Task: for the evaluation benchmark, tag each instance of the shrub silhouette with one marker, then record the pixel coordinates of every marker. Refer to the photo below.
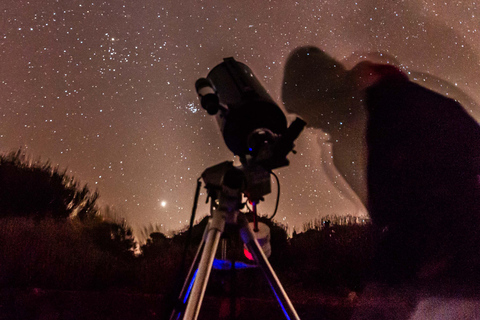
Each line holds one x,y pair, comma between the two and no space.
113,237
53,234
32,189
333,257
55,254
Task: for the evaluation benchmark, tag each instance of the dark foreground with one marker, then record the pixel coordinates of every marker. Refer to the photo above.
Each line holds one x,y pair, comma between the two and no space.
376,302
52,305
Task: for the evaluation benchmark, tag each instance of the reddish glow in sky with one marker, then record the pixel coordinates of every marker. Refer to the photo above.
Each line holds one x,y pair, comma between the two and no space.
106,88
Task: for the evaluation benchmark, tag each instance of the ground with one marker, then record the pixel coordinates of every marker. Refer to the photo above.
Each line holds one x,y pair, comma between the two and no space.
376,302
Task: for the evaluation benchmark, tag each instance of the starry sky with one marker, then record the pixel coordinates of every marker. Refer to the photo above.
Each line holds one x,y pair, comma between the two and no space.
106,90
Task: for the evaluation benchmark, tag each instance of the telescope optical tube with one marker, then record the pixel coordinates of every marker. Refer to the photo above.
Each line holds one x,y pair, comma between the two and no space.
249,106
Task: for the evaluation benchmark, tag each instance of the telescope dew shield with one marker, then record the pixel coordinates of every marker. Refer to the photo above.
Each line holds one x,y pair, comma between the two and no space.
249,106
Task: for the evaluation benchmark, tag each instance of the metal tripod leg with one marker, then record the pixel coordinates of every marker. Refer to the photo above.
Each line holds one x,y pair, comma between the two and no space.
251,242
187,285
215,229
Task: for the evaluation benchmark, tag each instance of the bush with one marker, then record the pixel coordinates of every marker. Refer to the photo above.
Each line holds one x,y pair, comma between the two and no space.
335,257
32,189
55,254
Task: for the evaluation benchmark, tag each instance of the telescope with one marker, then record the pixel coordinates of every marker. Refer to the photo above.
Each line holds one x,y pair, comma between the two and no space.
252,125
255,129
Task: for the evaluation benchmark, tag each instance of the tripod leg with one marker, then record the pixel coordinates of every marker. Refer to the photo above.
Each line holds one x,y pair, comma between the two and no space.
251,242
214,232
187,285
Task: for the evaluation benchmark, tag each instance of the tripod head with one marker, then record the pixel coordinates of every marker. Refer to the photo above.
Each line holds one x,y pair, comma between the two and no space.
226,183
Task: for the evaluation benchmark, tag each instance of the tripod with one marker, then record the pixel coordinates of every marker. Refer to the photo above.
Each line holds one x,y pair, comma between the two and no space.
225,187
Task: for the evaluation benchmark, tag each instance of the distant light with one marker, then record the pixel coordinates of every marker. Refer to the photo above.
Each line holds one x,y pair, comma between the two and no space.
163,203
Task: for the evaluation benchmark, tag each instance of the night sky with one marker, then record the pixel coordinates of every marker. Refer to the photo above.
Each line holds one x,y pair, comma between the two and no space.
106,88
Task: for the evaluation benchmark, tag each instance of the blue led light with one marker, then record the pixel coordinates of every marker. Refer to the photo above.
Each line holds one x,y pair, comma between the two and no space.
227,265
